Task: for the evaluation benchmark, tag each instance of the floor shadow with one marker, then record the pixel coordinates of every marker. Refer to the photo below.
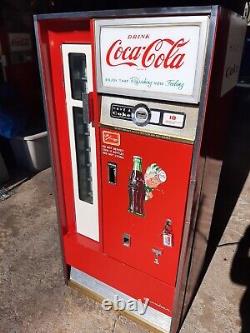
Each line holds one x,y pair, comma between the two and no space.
240,274
234,172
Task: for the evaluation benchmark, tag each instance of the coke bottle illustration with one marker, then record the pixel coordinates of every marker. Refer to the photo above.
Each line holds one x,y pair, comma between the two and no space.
136,188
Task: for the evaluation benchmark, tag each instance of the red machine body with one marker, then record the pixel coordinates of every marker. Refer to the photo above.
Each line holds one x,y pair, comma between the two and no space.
102,128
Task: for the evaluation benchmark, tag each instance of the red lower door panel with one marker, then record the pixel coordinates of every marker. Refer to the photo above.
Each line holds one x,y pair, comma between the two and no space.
114,273
136,240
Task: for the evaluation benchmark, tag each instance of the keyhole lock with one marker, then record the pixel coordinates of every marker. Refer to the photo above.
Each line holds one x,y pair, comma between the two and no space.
167,234
157,253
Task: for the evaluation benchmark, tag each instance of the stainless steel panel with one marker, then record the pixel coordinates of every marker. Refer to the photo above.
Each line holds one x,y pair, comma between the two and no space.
152,317
187,133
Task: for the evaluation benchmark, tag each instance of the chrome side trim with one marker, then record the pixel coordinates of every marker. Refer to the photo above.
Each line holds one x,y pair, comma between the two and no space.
103,291
133,12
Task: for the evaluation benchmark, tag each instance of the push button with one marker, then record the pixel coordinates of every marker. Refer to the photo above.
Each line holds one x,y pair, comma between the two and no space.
155,117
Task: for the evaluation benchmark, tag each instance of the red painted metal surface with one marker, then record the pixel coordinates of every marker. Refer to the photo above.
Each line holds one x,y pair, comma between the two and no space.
168,202
52,36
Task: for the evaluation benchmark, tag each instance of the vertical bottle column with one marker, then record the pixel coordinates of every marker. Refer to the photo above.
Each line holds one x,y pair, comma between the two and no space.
78,83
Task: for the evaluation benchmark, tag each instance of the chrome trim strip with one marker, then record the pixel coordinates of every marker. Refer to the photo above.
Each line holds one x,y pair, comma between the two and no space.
133,12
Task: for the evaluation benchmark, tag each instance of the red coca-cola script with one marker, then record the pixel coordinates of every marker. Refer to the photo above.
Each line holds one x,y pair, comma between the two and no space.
164,53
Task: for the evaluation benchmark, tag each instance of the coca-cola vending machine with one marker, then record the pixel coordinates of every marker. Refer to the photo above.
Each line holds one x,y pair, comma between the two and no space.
137,104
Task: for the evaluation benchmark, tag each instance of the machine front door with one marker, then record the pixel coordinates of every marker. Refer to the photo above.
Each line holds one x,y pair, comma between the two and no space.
144,208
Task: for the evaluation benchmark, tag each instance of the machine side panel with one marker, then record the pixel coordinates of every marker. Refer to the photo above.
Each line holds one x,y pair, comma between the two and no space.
49,107
197,171
216,125
41,34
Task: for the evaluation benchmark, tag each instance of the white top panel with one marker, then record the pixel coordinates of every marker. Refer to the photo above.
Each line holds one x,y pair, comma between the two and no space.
161,58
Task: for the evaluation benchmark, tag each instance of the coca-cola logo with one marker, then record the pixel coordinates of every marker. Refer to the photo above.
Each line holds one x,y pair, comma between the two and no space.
20,41
111,138
159,53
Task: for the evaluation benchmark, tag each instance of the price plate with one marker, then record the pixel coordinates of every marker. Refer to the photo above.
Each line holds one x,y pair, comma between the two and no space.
172,119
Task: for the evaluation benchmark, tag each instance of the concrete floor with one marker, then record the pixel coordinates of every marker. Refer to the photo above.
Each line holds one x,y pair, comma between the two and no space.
34,298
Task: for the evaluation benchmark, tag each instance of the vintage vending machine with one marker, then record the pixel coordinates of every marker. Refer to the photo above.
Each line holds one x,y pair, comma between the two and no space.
137,103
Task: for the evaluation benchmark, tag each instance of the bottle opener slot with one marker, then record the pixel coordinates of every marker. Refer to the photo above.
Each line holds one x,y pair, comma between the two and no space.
126,240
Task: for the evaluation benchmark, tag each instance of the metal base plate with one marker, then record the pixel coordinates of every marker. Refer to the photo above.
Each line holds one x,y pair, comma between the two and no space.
98,290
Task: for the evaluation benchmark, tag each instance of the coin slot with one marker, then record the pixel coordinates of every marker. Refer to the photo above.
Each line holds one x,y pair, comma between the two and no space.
126,240
112,173
141,115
